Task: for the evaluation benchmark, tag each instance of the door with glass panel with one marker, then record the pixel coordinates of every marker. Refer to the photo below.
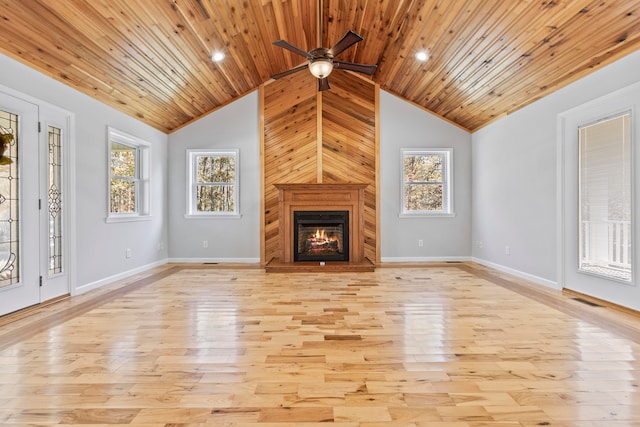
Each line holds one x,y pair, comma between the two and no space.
19,205
34,262
604,197
598,204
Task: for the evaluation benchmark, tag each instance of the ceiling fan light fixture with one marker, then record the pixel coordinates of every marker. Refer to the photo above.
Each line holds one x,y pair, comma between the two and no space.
321,67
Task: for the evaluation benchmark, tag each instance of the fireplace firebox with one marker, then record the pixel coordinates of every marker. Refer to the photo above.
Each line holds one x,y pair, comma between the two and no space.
321,235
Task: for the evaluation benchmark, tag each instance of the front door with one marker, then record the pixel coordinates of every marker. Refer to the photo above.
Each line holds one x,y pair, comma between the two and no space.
599,204
19,205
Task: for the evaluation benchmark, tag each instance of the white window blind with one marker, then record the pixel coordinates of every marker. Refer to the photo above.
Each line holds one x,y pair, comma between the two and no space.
605,198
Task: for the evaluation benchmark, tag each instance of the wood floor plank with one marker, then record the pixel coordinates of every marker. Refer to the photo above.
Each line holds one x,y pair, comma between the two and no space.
444,345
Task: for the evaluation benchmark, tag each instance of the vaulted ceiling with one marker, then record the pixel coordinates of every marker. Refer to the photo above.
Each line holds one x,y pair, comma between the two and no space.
151,59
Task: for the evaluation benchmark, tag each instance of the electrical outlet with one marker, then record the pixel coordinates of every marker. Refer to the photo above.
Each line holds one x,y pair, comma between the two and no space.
205,243
127,253
507,250
479,244
420,243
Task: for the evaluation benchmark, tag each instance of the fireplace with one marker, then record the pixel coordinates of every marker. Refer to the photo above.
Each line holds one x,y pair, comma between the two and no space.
335,203
321,235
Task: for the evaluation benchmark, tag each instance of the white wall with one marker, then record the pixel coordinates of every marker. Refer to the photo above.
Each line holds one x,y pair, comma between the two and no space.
100,247
237,126
233,126
403,125
515,177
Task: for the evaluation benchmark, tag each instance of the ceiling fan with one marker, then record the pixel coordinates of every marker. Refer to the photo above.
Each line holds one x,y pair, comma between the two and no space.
320,60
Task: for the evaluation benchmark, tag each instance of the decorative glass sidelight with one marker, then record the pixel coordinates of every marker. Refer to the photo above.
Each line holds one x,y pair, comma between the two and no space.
9,203
55,200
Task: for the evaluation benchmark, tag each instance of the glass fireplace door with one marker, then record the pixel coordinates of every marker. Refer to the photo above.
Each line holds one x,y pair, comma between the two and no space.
321,236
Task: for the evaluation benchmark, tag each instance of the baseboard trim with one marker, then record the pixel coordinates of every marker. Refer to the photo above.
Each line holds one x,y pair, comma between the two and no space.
426,259
215,260
517,273
108,280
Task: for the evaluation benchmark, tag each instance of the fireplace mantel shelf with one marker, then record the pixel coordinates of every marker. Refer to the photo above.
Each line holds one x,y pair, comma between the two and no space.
321,187
321,197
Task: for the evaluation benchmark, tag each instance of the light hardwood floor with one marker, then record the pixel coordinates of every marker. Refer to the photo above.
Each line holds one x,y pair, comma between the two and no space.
448,345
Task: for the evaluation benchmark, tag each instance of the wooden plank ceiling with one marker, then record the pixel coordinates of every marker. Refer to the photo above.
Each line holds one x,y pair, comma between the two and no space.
151,58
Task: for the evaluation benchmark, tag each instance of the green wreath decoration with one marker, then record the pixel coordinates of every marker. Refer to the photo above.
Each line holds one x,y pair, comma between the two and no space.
6,138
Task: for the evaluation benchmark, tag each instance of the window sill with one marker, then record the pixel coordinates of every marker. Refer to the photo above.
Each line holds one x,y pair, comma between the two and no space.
427,215
212,216
127,218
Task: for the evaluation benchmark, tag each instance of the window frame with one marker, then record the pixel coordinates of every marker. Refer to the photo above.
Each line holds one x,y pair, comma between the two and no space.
447,182
191,157
141,177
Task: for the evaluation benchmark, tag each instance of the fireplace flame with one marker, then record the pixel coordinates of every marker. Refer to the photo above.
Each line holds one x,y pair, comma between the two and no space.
321,240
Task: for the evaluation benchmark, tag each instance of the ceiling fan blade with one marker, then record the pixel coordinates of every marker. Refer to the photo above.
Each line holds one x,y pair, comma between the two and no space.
295,49
323,84
291,71
350,38
360,68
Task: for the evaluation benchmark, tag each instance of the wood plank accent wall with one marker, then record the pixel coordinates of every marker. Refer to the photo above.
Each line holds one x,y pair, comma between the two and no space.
289,147
311,137
349,143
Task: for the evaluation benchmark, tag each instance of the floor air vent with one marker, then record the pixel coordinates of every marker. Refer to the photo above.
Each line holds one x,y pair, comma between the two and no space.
584,301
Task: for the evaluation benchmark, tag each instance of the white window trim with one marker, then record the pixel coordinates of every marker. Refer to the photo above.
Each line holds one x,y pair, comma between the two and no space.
143,201
447,180
191,213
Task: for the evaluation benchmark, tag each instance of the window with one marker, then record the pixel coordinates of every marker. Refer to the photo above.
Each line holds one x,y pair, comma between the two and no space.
605,198
213,183
55,197
426,182
128,177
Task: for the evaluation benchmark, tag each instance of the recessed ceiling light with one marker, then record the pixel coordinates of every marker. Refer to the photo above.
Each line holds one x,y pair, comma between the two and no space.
422,56
217,56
